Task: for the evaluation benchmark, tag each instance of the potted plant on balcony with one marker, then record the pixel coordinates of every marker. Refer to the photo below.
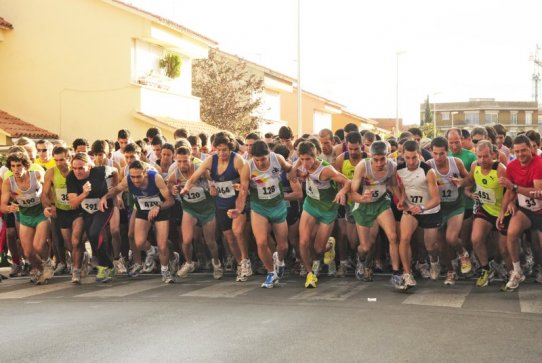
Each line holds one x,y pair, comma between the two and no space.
171,64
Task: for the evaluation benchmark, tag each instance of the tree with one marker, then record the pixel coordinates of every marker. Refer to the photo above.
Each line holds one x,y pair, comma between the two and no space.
427,116
230,95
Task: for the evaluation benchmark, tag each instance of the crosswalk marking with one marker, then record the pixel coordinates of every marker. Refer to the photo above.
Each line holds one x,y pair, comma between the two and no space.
221,290
331,293
453,297
33,290
530,301
114,290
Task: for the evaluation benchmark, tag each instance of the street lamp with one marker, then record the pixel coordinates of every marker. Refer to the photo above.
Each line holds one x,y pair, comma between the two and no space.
397,54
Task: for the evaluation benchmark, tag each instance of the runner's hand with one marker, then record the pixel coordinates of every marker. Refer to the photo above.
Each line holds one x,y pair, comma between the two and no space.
102,204
153,213
340,198
233,213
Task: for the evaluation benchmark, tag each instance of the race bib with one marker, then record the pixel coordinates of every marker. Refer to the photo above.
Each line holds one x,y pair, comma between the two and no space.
26,201
416,199
312,189
147,203
529,203
62,196
225,189
90,205
486,196
269,190
377,191
448,194
194,195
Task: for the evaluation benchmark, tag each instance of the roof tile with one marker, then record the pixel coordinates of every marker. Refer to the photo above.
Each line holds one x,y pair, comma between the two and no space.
5,24
15,127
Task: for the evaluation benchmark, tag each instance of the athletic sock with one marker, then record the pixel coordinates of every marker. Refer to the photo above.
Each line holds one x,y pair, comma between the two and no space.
517,266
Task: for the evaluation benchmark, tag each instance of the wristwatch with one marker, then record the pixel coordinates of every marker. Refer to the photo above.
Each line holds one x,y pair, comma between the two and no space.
514,188
422,208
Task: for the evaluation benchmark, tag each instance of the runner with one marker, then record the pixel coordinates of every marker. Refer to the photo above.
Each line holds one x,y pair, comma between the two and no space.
198,209
320,206
153,201
371,181
261,175
420,202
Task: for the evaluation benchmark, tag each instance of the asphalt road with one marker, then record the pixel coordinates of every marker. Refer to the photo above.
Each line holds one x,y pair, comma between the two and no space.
202,320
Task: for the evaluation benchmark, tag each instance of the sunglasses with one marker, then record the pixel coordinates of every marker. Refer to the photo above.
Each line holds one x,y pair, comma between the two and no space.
475,141
42,150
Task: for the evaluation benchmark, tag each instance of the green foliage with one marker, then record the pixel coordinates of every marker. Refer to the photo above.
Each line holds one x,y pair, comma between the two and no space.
230,95
428,115
171,63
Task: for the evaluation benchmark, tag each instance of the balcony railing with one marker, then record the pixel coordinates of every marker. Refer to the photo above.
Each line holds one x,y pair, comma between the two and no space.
159,102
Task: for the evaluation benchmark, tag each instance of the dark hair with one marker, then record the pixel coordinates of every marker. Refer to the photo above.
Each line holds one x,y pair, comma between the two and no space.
282,150
157,140
180,133
340,134
136,164
142,145
182,142
168,146
336,139
285,132
259,148
379,148
18,157
253,136
439,141
183,150
316,143
79,142
353,137
369,136
193,140
479,131
224,138
393,142
411,145
326,133
508,142
491,134
98,147
465,134
416,131
268,135
459,133
132,148
377,137
307,148
123,134
152,132
349,127
522,139
500,129
405,134
60,150
533,136
203,137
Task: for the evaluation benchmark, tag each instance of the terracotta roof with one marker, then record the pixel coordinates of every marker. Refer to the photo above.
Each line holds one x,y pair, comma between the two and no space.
387,123
15,127
5,24
165,21
192,126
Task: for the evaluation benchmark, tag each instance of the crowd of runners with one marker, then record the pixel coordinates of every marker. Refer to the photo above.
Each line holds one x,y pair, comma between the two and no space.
467,205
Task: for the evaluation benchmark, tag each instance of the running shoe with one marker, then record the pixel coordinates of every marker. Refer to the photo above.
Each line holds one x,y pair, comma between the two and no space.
360,269
316,267
15,270
120,266
39,277
230,262
185,269
409,280
379,266
270,281
167,277
311,280
60,268
500,269
247,268
5,260
342,270
240,276
466,264
450,278
302,270
136,269
515,279
48,271
150,261
527,267
434,273
332,269
103,274
76,276
85,265
484,278
279,267
174,263
330,255
218,271
398,282
423,269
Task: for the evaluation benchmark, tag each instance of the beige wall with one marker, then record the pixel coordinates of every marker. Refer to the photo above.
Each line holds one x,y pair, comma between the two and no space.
66,66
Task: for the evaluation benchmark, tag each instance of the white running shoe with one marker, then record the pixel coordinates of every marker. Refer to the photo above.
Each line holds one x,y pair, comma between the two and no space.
218,271
186,268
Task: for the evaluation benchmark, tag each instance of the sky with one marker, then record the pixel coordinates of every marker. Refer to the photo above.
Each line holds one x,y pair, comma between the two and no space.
450,50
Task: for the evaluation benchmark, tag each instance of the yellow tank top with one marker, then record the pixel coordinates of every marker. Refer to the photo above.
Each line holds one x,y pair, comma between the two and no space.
488,189
348,168
60,190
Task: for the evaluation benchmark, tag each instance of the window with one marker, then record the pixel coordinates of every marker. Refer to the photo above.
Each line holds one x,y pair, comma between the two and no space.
492,117
514,117
146,57
271,105
528,118
445,116
472,117
540,119
321,120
